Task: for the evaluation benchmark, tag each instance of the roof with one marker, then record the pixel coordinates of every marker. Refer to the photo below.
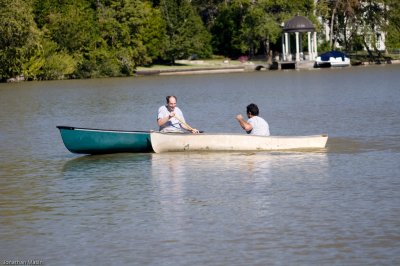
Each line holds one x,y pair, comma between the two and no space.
299,24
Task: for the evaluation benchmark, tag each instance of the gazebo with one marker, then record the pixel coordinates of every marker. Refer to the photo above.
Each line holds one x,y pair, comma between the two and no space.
299,25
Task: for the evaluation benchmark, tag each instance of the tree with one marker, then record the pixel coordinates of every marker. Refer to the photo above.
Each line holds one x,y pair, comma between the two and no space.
208,10
248,25
392,25
133,32
186,34
347,12
259,28
73,27
55,64
226,34
19,37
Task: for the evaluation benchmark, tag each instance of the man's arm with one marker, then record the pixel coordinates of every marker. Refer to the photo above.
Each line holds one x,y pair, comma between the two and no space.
164,115
185,126
246,126
163,120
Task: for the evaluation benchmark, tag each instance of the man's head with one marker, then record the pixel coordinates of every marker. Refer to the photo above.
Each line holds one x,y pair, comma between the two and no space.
252,110
171,103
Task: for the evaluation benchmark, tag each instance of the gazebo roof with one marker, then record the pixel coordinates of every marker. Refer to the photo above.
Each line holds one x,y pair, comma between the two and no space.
299,24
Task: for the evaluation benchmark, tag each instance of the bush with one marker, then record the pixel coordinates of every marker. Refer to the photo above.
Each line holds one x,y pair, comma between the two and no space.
58,66
99,63
324,47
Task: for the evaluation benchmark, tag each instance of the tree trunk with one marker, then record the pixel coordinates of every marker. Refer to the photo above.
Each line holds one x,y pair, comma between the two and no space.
332,23
267,47
371,55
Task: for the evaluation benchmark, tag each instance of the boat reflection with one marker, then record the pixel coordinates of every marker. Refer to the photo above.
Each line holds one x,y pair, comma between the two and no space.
213,186
103,164
247,164
174,172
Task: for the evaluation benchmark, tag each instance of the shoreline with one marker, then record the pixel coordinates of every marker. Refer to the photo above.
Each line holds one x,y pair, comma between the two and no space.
189,67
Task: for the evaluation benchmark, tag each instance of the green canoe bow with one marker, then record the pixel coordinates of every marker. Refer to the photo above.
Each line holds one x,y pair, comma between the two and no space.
101,141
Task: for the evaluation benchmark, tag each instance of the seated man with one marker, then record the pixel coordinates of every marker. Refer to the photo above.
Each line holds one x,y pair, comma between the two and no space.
170,118
255,125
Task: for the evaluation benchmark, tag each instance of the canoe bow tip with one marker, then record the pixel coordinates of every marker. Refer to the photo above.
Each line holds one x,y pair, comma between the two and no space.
65,127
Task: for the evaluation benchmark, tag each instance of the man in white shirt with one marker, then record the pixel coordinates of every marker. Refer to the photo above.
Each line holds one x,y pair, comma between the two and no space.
255,125
170,118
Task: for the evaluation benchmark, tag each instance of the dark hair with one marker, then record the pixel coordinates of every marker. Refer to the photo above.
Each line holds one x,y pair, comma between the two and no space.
252,109
167,98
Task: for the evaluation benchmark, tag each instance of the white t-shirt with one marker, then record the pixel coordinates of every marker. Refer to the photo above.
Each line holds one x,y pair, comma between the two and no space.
172,125
260,126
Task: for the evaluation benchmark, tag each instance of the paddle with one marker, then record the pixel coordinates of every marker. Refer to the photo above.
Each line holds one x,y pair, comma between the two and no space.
184,123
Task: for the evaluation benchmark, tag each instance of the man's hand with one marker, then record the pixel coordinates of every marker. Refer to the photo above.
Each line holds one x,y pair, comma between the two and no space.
239,117
194,131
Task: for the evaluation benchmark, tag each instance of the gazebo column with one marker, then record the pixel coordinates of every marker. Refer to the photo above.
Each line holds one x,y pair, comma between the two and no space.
283,48
286,45
297,47
300,45
310,50
315,45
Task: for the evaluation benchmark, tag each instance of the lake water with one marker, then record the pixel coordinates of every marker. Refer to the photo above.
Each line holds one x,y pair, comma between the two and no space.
339,206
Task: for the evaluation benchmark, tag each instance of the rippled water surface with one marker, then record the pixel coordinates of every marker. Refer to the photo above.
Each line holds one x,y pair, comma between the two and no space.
337,206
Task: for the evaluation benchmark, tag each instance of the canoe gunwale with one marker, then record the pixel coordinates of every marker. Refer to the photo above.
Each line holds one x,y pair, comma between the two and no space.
236,134
103,130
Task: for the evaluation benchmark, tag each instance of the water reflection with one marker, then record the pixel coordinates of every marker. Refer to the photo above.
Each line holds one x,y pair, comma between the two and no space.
102,164
175,174
362,144
192,165
206,193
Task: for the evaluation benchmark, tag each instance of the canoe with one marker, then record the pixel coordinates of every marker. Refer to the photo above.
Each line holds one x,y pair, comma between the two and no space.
101,141
178,142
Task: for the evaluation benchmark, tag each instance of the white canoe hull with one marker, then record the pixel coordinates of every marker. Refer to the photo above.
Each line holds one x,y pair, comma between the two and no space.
176,142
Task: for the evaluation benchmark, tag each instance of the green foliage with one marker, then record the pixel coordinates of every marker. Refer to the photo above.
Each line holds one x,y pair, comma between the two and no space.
283,10
154,33
43,8
48,39
19,37
324,46
323,9
208,10
73,28
355,23
133,28
32,66
258,27
226,38
99,63
247,26
393,39
186,35
393,26
56,64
